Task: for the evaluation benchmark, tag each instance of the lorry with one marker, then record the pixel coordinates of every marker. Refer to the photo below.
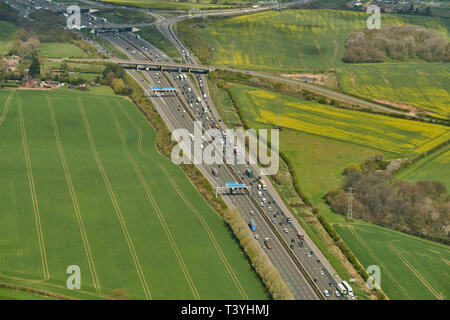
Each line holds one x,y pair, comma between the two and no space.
263,184
348,288
341,289
252,225
267,243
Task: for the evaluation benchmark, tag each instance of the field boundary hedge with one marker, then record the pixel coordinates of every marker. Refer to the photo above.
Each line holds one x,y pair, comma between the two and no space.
35,291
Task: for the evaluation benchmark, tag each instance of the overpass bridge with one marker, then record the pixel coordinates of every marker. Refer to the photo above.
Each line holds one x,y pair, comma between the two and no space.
150,65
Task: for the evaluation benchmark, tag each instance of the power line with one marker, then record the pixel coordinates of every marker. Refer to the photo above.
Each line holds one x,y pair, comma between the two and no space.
350,194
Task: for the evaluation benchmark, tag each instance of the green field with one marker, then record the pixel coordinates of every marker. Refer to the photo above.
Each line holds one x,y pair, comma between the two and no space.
411,267
314,41
174,5
320,141
6,35
61,50
434,167
83,184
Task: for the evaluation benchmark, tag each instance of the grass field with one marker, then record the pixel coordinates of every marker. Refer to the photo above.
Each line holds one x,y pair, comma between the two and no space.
174,5
61,50
433,167
320,141
6,35
314,41
83,184
411,267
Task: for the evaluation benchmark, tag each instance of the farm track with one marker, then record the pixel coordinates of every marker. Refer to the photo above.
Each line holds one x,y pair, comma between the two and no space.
414,271
6,107
115,204
380,263
75,203
34,198
153,202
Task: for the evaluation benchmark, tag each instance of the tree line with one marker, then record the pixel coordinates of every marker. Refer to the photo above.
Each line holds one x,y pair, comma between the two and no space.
398,43
420,208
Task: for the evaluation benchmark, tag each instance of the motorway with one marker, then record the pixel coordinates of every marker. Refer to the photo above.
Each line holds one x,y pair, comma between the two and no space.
177,112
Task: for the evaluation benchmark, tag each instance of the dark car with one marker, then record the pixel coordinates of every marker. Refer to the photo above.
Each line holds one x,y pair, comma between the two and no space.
331,284
292,246
292,240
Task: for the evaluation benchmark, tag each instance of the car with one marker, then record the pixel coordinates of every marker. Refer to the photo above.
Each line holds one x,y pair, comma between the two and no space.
326,293
315,280
281,223
292,246
270,208
331,284
300,244
252,213
286,230
308,255
321,272
338,294
274,220
262,204
292,240
330,292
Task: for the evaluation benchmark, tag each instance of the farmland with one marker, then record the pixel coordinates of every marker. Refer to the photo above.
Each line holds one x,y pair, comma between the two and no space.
433,167
175,5
386,134
313,41
83,184
312,139
321,140
411,267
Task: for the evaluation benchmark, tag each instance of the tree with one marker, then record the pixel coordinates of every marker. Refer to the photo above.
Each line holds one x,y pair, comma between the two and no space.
118,85
35,67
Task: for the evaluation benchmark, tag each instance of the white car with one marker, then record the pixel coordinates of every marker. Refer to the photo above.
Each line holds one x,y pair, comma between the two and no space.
308,255
262,204
270,208
321,272
338,294
286,230
327,294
